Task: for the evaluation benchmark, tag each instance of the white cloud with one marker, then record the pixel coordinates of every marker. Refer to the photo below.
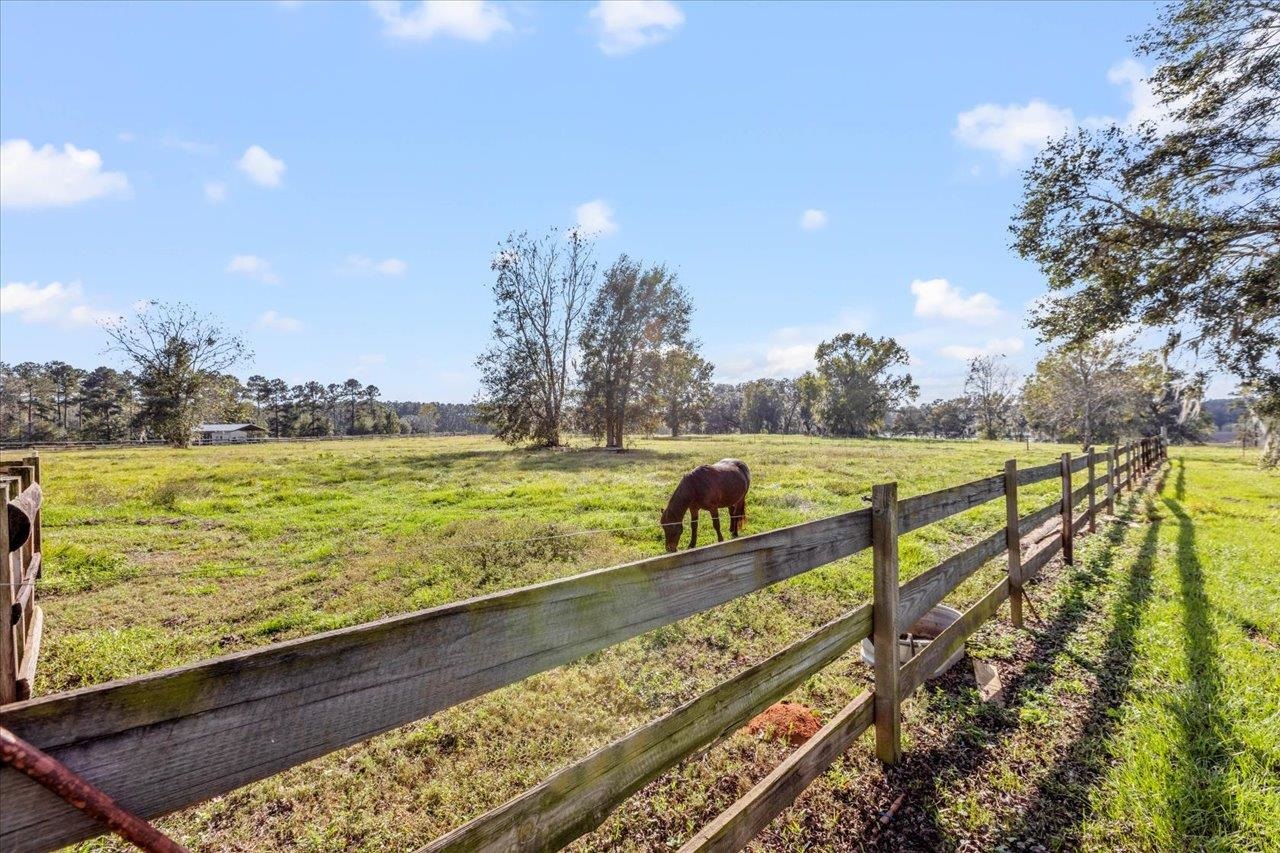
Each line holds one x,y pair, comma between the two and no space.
1013,132
364,265
994,346
623,26
784,352
595,218
46,177
190,146
253,267
215,192
55,302
939,298
365,363
1144,104
261,167
277,322
813,219
472,20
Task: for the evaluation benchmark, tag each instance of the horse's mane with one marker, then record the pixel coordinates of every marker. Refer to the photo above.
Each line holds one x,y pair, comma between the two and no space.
680,500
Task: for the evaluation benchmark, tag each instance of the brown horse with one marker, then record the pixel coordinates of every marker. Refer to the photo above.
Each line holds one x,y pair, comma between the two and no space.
708,487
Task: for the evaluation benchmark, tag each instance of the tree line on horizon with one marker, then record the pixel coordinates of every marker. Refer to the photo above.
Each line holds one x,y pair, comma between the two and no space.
1103,394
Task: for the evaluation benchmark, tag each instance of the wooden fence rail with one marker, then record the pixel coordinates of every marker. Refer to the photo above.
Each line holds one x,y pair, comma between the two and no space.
162,741
21,619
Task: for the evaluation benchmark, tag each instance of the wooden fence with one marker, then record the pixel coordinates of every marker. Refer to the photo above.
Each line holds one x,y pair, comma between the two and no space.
163,741
21,617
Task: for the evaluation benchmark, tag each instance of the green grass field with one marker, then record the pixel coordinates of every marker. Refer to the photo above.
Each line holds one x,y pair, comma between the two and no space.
1143,710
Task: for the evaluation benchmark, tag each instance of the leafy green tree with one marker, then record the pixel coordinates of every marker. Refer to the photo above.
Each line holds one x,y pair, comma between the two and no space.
764,406
861,383
64,381
809,391
1167,401
682,385
178,353
991,387
106,399
636,314
540,293
1082,392
952,418
1175,225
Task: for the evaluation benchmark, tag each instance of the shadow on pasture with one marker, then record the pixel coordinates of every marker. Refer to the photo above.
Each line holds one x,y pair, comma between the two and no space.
1202,805
583,459
1056,807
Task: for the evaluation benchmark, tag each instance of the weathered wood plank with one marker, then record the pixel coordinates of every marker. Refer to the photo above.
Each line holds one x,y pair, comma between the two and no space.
1111,480
165,740
8,654
1080,523
1013,542
884,620
1093,485
1079,463
1035,562
579,797
916,670
926,589
735,827
916,512
22,512
1038,474
1065,528
27,671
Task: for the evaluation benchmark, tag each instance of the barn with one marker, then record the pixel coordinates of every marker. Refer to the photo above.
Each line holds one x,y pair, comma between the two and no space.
227,433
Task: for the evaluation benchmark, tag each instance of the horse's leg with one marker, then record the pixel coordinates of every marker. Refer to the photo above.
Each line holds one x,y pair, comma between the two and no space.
715,522
736,514
693,528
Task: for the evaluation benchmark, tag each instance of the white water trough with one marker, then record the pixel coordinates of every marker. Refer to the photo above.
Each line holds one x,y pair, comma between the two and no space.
914,641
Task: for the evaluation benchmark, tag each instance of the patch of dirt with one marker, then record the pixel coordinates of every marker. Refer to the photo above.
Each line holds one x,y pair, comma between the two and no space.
789,721
1254,633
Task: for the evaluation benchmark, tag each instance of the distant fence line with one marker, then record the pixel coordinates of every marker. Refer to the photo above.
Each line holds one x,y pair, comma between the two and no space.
156,442
166,740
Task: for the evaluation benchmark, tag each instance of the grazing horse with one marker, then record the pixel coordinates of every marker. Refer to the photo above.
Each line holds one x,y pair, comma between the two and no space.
708,487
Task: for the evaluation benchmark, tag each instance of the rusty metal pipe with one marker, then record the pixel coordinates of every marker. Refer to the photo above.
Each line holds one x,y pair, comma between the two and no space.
87,797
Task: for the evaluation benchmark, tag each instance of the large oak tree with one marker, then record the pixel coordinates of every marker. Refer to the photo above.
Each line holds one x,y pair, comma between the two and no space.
1175,224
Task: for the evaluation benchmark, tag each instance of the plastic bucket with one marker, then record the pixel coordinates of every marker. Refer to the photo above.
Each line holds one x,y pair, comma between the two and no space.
926,628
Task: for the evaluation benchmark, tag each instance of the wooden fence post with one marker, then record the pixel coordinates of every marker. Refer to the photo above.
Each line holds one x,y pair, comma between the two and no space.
1066,509
1012,541
8,658
1111,480
1092,501
34,461
884,620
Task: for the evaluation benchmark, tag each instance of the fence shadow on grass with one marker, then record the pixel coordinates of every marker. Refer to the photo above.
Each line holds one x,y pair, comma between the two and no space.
577,459
1057,806
1202,805
1062,798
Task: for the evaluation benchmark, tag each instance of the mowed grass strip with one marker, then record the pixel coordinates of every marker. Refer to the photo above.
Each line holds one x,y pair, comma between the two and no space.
159,557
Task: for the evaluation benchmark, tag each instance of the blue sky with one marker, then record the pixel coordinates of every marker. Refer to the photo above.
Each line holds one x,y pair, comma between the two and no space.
332,179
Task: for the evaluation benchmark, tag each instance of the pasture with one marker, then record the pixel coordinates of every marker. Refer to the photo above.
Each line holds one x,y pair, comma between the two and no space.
1143,704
